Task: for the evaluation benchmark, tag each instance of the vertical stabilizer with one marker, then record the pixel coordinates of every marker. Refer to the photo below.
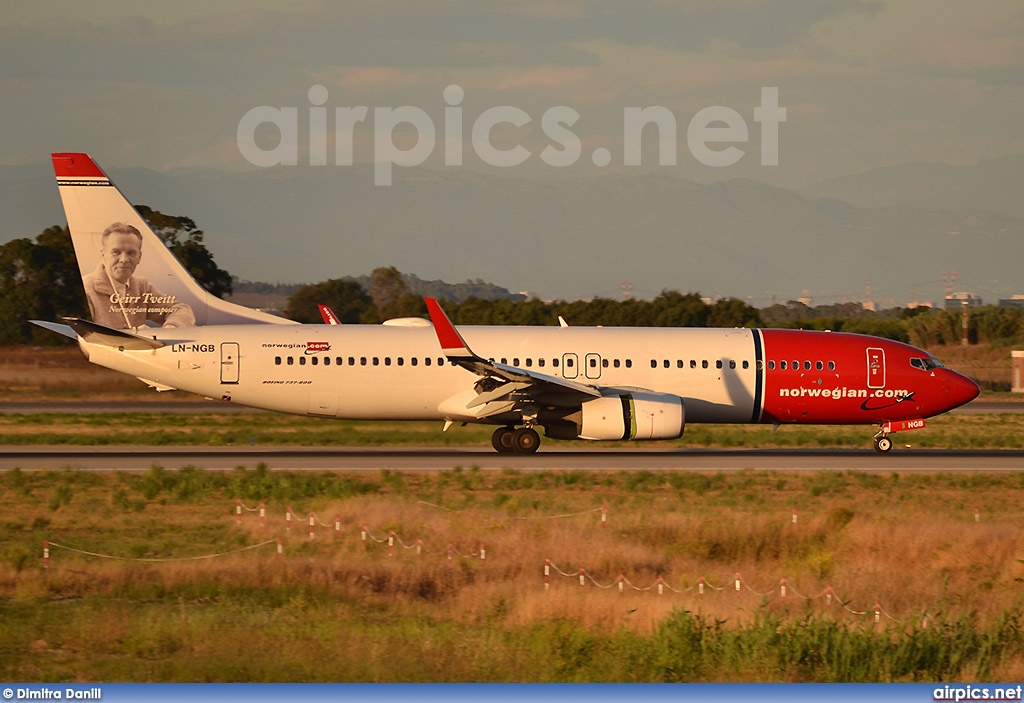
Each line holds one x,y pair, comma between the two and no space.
130,277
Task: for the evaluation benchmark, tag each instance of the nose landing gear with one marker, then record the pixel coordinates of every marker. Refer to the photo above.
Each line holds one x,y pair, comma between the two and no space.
882,443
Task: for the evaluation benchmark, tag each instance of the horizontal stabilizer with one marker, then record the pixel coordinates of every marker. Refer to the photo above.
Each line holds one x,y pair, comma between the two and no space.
56,327
98,334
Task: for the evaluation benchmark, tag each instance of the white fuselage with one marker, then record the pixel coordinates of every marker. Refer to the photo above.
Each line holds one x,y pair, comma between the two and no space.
399,372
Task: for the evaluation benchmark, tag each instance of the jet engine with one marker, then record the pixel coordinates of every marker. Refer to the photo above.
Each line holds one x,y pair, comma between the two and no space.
636,415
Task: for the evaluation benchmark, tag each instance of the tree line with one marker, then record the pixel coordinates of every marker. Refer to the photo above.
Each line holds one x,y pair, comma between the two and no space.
40,279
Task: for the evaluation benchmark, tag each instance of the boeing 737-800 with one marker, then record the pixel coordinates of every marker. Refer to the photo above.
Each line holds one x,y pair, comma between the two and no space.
152,320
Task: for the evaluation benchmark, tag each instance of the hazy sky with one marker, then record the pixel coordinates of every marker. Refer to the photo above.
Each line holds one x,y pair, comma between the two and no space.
864,83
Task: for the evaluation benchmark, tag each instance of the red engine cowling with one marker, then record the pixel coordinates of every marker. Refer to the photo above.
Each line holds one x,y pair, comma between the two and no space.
638,415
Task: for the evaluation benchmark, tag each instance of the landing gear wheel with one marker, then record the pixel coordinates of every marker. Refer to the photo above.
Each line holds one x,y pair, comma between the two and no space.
501,440
525,440
883,444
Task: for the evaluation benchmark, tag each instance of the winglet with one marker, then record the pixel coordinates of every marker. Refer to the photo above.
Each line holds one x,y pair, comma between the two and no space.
452,343
329,317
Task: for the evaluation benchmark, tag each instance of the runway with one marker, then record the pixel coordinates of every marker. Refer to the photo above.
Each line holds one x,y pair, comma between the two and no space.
132,458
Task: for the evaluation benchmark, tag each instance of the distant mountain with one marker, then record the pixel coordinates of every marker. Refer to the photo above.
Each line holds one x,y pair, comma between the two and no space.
569,237
987,185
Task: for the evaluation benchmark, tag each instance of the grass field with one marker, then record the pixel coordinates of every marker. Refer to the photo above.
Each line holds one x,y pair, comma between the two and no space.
940,555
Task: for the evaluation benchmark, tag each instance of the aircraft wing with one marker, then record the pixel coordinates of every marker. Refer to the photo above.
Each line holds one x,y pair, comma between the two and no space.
499,383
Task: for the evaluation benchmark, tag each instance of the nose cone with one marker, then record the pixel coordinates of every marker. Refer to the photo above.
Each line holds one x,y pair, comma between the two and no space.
960,390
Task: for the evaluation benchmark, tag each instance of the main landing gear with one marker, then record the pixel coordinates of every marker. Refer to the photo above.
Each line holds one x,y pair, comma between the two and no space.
509,440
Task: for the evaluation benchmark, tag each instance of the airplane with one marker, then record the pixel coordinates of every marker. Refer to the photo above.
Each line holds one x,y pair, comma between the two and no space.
152,320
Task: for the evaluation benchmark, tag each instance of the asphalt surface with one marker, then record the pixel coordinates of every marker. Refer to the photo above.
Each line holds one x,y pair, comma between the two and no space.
133,458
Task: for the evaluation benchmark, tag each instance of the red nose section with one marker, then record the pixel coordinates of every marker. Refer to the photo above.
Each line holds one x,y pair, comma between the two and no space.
961,390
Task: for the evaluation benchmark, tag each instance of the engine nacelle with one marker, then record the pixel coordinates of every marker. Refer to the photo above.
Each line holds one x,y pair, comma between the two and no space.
639,415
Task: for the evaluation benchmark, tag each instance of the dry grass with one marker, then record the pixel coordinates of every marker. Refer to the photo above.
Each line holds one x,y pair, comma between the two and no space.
910,542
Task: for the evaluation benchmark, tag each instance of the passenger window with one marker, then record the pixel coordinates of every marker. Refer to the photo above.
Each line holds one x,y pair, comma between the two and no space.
362,361
666,364
616,363
440,361
704,364
426,362
529,362
515,361
693,363
376,361
568,362
654,363
831,366
387,361
732,363
277,360
807,366
818,365
540,363
401,361
554,362
746,364
327,361
593,363
629,363
302,361
291,360
314,361
718,364
414,361
771,365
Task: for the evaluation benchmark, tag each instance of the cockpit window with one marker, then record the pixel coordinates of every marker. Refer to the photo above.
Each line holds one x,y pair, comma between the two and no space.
926,363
